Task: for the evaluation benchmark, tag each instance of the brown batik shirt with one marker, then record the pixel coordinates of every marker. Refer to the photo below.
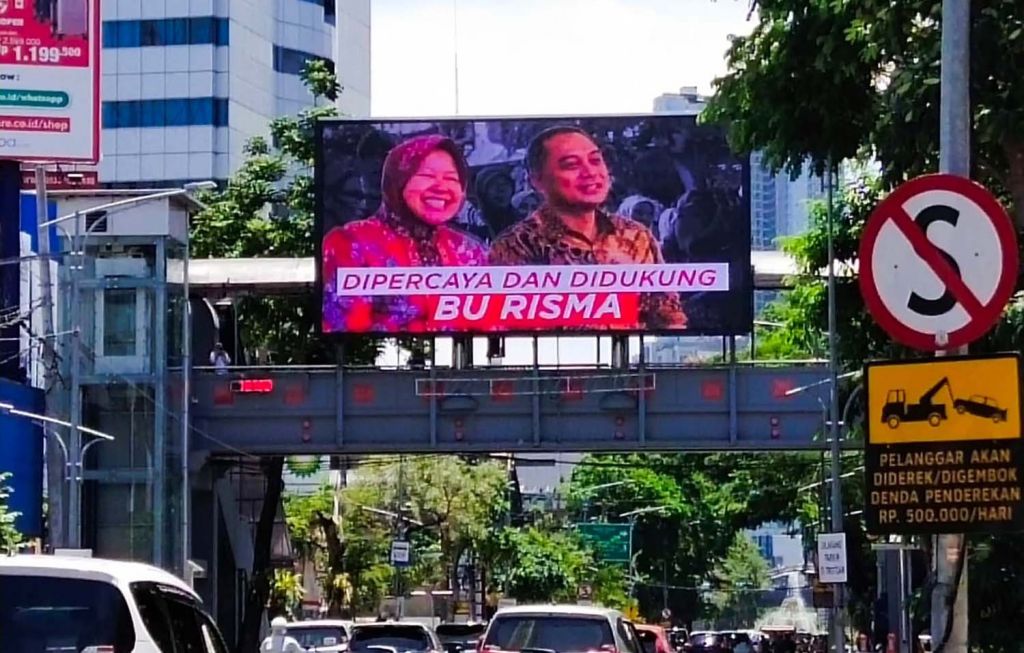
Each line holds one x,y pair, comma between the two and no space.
543,239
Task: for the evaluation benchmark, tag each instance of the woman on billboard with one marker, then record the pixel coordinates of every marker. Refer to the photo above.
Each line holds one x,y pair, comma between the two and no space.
423,185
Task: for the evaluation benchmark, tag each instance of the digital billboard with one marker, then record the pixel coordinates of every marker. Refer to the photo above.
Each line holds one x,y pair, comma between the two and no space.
49,89
528,225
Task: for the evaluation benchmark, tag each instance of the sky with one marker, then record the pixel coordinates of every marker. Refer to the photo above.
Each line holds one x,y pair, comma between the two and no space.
540,57
543,57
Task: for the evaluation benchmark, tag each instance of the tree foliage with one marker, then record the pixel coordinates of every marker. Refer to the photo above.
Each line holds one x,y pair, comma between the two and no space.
10,538
704,499
740,579
349,551
286,592
267,210
544,565
828,80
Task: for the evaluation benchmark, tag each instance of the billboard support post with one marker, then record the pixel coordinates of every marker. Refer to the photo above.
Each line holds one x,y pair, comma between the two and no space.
535,392
462,352
620,352
641,397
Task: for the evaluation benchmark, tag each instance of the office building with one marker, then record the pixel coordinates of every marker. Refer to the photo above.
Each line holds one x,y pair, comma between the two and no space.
778,204
186,84
686,102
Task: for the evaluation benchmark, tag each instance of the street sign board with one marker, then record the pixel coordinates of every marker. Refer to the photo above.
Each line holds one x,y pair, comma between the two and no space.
943,445
400,556
938,262
611,541
832,558
49,95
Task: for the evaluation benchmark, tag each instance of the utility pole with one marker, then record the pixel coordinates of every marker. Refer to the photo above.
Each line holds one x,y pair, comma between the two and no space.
56,468
949,596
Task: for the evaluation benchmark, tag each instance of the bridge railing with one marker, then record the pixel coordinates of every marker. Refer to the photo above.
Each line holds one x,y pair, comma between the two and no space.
325,409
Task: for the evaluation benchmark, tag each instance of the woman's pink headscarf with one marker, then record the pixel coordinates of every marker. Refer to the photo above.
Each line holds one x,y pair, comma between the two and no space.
403,161
400,165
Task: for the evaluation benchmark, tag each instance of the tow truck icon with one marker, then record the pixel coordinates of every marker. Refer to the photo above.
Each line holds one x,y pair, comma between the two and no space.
897,410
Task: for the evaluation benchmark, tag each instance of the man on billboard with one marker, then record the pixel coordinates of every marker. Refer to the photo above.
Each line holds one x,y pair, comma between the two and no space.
568,169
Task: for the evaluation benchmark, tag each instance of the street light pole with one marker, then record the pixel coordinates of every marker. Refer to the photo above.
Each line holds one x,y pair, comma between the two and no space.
949,596
838,589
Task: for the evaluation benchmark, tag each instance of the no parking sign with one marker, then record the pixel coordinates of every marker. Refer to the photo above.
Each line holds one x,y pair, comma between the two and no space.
938,262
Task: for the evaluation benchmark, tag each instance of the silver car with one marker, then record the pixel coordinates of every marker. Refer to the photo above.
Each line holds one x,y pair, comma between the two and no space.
560,629
321,635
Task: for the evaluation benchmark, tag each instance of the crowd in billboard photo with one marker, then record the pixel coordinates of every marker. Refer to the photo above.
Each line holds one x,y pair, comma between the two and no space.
532,224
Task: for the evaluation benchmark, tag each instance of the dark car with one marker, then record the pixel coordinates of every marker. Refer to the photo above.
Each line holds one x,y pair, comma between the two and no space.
981,406
393,637
460,637
704,642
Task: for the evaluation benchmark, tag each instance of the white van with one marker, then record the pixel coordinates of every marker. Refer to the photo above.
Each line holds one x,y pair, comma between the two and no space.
53,604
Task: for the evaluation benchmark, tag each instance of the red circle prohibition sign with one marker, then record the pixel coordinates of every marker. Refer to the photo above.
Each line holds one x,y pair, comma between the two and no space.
982,314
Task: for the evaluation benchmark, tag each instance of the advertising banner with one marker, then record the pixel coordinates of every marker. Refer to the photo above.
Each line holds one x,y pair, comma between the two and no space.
528,225
49,80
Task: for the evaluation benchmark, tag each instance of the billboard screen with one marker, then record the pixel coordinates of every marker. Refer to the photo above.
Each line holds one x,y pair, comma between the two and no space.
49,98
527,225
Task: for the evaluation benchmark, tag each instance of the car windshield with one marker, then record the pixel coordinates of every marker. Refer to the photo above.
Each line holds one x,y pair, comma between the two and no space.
49,615
399,637
310,636
649,641
560,634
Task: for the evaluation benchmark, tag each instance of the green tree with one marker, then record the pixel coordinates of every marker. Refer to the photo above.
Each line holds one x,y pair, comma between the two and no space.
545,566
286,593
829,80
456,500
266,210
704,499
350,552
741,578
10,538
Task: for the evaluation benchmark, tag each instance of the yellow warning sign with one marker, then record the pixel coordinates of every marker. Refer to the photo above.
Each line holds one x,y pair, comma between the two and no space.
944,400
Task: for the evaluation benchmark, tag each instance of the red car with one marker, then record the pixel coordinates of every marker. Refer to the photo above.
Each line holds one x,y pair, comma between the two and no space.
653,638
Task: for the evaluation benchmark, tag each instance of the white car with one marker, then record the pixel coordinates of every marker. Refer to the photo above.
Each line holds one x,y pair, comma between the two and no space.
321,635
51,604
560,628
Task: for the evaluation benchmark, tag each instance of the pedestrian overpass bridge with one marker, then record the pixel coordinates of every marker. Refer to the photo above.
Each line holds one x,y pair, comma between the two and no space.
337,409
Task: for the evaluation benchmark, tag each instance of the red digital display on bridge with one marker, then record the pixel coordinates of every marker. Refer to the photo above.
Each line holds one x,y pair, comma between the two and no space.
252,386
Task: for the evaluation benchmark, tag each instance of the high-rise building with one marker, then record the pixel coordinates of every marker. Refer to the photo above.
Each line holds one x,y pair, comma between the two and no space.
763,220
187,82
686,102
778,204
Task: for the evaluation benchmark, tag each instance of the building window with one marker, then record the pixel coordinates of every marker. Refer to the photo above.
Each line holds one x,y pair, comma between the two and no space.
119,322
171,112
197,30
292,62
